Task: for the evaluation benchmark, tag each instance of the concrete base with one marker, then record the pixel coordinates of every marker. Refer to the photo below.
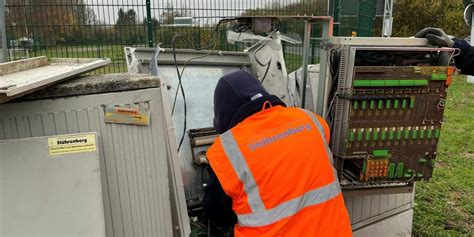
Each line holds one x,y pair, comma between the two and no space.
397,225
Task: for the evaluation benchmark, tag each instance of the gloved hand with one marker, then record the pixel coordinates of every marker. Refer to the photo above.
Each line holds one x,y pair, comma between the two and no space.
436,37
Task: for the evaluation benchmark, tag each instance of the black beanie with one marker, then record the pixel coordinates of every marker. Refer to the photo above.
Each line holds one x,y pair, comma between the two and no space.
237,96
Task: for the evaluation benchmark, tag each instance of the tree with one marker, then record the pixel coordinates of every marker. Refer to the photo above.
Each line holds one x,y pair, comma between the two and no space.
127,29
55,21
167,16
87,28
165,34
410,16
303,7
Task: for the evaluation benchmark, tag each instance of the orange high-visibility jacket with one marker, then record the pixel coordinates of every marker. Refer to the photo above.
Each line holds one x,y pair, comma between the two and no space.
277,168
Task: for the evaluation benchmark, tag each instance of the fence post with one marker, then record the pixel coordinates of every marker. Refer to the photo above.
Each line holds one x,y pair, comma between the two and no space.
149,24
336,11
3,26
306,42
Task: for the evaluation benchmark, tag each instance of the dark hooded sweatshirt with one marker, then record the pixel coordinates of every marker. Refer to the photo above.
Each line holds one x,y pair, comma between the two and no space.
237,96
465,60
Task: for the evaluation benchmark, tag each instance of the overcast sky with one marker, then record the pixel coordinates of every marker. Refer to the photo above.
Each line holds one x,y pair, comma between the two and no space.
202,10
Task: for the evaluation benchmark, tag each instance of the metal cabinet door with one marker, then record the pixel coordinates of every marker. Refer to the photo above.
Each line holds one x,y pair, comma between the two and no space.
50,195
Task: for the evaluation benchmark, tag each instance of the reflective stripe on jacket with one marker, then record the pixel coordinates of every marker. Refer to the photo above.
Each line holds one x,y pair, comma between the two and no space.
278,169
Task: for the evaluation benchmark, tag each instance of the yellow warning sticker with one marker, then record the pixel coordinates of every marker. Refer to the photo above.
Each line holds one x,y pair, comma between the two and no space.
124,115
68,144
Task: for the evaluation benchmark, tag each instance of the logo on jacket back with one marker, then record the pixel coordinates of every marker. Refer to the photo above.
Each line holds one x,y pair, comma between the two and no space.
279,136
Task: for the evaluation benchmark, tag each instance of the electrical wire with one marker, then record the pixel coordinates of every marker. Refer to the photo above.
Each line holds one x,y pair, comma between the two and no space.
266,71
180,73
214,31
331,106
334,71
441,104
456,53
181,88
240,28
173,45
206,46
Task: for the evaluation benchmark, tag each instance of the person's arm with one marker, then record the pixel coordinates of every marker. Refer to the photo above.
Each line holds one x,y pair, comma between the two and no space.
216,204
465,60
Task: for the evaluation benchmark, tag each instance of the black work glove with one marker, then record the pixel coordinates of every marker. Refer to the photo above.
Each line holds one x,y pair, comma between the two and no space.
436,37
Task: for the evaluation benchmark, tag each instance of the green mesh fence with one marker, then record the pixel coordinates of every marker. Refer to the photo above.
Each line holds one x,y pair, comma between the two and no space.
101,28
356,17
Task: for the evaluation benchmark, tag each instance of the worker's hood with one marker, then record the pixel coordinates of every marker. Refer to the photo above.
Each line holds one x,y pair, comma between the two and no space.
239,95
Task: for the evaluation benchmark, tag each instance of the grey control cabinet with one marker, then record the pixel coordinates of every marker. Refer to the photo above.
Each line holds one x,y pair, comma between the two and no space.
140,174
45,195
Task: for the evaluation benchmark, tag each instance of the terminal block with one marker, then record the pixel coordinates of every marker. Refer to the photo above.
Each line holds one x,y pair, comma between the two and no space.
388,112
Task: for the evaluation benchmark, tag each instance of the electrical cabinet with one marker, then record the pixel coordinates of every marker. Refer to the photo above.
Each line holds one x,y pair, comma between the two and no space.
140,174
385,110
39,193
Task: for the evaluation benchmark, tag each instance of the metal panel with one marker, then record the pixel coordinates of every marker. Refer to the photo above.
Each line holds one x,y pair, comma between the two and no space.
370,206
268,66
378,41
180,216
40,192
397,225
296,82
133,158
346,68
198,83
143,57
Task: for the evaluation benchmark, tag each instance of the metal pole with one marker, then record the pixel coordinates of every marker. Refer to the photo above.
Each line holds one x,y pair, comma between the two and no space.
306,41
336,16
387,18
319,97
330,7
3,26
149,24
470,79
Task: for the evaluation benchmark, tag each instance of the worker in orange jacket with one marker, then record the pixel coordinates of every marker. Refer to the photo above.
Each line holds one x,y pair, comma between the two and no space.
272,167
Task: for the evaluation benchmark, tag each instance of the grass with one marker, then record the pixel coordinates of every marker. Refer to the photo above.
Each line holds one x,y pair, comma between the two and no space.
444,206
295,61
292,61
